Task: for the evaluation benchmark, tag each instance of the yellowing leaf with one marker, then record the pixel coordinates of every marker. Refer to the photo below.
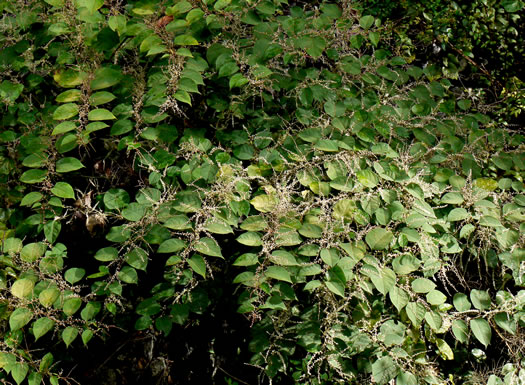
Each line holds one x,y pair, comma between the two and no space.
264,203
65,111
185,40
100,114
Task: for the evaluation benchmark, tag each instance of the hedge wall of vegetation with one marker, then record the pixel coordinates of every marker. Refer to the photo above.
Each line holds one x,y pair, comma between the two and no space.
257,191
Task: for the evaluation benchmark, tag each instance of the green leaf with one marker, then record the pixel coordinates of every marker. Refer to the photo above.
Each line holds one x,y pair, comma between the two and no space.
171,245
105,77
279,273
100,114
12,245
422,285
150,42
46,362
311,135
92,5
74,274
415,312
48,296
344,209
106,254
458,214
366,21
134,212
434,320
116,199
424,208
143,323
506,322
185,40
250,238
405,264
464,104
22,288
260,72
128,275
95,126
444,349
480,299
69,96
379,238
461,302
33,176
71,306
228,69
405,378
282,258
384,281
512,6
118,234
367,178
374,37
208,246
481,330
178,222
314,46
387,73
453,198
384,369
35,378
69,334
19,371
86,336
101,97
421,109
65,111
399,297
10,91
198,265
69,78
435,297
327,145
52,230
68,164
183,96
218,227
330,256
66,143
34,160
137,258
120,127
238,80
32,251
246,259
63,190
19,318
41,326
31,198
460,330
336,287
489,221
309,230
194,15
90,311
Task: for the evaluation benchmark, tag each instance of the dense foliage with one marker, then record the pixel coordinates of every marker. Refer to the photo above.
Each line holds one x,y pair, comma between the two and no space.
283,188
483,40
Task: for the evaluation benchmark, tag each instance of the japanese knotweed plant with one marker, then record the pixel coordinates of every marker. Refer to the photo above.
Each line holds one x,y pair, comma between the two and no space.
372,218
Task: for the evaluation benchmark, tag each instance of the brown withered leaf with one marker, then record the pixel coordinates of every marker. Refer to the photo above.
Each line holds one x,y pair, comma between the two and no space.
164,21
